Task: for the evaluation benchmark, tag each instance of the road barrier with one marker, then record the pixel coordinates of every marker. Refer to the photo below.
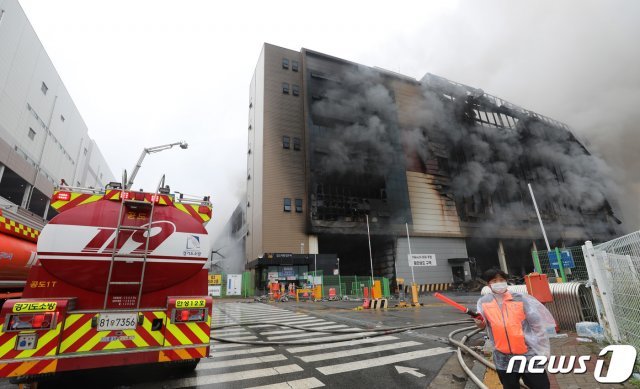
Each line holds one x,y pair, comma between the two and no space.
424,288
379,304
572,303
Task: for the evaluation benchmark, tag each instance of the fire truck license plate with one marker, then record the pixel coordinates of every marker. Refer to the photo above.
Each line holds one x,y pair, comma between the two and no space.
117,321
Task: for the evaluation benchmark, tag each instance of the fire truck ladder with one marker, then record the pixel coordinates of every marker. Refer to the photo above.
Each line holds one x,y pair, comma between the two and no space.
125,205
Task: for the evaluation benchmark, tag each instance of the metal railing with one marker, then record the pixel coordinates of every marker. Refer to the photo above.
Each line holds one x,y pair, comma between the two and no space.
21,215
614,274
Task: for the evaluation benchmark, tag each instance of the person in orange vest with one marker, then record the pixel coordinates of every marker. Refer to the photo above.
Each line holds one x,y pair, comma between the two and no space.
516,324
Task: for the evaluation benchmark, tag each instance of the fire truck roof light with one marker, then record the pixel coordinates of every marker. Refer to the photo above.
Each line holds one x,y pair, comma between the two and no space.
63,196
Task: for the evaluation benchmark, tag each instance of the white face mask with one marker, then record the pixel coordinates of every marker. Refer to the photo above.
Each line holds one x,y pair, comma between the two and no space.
499,287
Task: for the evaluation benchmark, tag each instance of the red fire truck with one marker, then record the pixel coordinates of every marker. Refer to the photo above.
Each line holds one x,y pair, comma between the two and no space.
119,281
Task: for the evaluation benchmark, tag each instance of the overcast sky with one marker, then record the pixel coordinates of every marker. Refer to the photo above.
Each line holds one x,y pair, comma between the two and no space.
144,73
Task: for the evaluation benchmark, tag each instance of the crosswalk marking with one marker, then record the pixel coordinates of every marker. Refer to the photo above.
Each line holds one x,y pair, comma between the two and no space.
282,332
218,378
225,333
367,363
240,362
358,351
236,337
325,338
304,334
255,350
223,316
306,383
315,347
219,345
317,324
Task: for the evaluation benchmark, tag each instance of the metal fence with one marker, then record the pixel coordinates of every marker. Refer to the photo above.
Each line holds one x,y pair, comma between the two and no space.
353,286
545,262
614,269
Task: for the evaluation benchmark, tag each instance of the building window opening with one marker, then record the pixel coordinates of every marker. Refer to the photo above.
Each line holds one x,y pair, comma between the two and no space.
286,142
294,66
299,205
295,90
285,63
285,88
296,144
44,88
32,133
287,204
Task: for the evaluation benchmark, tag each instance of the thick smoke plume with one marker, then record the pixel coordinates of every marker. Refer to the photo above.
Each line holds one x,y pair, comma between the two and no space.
361,109
488,166
497,163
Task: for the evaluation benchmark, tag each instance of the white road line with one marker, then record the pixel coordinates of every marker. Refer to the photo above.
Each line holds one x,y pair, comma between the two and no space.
243,351
269,315
215,345
225,333
358,351
282,332
317,324
307,383
237,337
348,343
297,322
373,362
306,334
229,377
322,336
240,362
272,319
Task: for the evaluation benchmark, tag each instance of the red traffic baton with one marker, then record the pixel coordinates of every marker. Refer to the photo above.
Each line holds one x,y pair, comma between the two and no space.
459,307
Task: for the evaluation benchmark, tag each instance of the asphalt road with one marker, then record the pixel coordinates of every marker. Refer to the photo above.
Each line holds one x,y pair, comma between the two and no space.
408,360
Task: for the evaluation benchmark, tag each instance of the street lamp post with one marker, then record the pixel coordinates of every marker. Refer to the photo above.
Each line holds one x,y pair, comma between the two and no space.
370,255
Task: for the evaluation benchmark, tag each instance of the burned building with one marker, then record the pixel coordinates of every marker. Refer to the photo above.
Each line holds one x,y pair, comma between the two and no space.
333,143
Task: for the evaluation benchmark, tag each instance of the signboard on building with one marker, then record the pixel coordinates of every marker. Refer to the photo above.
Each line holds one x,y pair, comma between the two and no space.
215,279
567,260
234,284
272,276
215,290
287,271
422,260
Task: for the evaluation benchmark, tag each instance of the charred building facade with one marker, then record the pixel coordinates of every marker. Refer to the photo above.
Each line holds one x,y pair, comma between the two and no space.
332,143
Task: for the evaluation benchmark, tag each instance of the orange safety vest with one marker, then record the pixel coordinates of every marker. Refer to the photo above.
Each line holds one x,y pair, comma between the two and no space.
506,324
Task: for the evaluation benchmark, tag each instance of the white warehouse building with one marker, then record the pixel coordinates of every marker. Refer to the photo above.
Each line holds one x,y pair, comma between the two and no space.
43,138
